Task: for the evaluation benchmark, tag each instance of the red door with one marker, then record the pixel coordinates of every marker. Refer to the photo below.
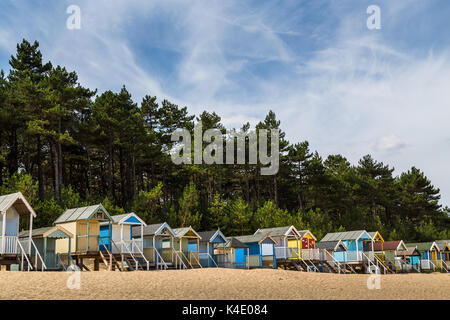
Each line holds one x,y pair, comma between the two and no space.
311,243
304,243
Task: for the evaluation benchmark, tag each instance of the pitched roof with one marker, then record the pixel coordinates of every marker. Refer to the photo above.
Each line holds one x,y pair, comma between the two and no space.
443,243
18,201
207,236
389,245
83,213
302,233
348,235
278,231
423,246
123,217
55,232
235,243
181,232
152,229
373,234
255,238
411,251
330,245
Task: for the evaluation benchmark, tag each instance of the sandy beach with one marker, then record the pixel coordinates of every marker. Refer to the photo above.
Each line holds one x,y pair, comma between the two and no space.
225,284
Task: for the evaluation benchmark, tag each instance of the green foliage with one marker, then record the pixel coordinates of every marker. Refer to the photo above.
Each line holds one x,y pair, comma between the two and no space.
147,204
188,213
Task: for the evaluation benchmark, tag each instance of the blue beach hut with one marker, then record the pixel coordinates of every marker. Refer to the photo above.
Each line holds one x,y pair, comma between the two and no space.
209,241
261,251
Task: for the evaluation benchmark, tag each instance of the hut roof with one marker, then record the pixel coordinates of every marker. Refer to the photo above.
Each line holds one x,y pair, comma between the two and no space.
260,237
181,232
122,218
375,234
235,243
443,243
423,246
18,201
330,245
57,232
348,235
83,213
410,251
152,229
303,233
389,246
207,236
278,231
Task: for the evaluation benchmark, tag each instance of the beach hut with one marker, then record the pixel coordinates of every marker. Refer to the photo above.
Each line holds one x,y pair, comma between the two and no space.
235,252
376,238
117,238
410,259
428,254
308,251
444,254
84,225
308,240
388,252
357,243
331,252
13,209
209,241
158,245
261,251
288,241
45,241
187,243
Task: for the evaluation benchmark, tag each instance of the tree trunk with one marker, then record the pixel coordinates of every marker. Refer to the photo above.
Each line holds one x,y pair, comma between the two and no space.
275,189
111,171
40,172
56,170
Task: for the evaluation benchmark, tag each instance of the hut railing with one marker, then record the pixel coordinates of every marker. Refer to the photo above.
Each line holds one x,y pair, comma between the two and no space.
445,266
223,260
354,256
284,252
176,258
330,259
194,256
23,257
181,253
135,249
427,264
373,267
160,261
310,254
30,245
125,249
9,245
61,262
207,256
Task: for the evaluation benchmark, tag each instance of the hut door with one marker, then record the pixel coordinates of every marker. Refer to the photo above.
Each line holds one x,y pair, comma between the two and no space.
311,243
81,236
305,243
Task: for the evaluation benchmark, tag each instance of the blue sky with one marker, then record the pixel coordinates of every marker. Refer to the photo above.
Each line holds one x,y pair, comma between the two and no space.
329,79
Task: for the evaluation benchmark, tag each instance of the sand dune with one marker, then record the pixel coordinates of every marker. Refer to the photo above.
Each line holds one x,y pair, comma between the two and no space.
221,284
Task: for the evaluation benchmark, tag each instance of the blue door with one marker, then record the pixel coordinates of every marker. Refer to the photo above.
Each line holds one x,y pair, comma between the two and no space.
104,235
239,257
